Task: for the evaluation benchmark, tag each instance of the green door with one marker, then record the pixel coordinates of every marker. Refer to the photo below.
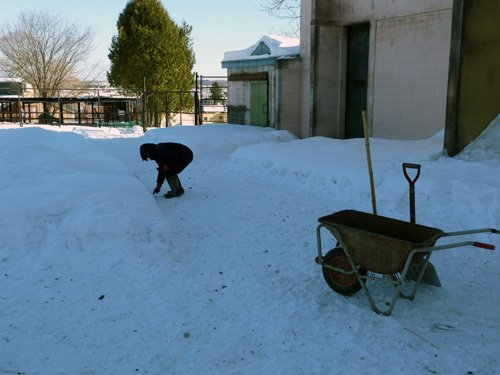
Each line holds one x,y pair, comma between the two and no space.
258,103
358,40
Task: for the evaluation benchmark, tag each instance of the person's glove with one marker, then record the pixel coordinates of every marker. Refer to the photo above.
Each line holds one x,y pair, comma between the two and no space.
157,189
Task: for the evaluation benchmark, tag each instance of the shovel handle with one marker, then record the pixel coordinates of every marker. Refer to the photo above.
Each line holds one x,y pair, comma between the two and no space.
411,166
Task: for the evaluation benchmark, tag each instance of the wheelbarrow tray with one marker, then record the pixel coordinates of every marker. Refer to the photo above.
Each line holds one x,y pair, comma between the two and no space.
377,243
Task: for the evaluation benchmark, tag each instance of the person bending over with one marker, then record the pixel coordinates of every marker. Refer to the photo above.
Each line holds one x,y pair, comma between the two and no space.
171,158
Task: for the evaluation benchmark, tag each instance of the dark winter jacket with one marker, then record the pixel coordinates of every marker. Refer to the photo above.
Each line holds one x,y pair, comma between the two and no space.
175,155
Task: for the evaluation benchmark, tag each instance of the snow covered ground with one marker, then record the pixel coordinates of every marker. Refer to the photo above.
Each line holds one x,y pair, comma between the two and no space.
98,276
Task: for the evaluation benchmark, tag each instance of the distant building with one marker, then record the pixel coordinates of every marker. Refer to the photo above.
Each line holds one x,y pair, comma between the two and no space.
11,87
262,80
10,91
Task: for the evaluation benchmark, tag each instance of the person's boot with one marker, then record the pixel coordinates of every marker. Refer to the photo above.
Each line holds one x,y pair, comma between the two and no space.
174,190
178,185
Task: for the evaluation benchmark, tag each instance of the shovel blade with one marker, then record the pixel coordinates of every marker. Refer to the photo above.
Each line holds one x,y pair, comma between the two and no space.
430,276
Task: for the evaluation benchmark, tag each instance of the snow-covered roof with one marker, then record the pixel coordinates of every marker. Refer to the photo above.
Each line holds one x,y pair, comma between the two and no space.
11,79
277,46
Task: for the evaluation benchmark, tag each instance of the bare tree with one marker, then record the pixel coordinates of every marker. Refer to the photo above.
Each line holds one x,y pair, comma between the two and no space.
285,9
46,52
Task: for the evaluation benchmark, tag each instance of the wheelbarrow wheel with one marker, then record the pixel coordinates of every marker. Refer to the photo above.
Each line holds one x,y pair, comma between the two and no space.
342,283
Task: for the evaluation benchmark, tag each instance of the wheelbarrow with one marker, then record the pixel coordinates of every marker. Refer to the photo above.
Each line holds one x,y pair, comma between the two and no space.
373,247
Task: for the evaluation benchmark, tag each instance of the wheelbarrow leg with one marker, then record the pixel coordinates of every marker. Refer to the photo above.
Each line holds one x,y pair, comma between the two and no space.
374,306
360,277
419,276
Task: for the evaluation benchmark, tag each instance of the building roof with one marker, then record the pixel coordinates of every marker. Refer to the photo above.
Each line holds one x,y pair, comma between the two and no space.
11,86
269,46
5,79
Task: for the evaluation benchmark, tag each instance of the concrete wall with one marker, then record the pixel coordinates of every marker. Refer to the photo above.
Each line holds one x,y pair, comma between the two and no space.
353,11
474,88
289,96
329,96
305,55
408,64
410,75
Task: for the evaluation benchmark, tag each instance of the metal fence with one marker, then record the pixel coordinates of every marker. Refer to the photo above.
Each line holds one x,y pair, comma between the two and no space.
87,106
100,106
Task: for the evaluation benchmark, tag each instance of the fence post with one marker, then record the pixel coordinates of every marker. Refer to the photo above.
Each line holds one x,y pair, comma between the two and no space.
201,100
196,99
167,114
157,112
98,107
144,104
60,108
19,106
180,106
79,114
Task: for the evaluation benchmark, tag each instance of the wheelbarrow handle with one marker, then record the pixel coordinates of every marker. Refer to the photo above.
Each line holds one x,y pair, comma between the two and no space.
451,246
474,231
411,166
483,245
471,231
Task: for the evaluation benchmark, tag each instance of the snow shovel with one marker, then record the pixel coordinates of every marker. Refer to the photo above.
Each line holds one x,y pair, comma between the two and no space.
369,160
430,276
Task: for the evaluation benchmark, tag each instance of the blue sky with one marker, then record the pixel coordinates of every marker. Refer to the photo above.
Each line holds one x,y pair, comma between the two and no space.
218,25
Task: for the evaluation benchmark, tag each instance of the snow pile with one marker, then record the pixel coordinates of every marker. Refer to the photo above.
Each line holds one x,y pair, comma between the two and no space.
101,277
486,145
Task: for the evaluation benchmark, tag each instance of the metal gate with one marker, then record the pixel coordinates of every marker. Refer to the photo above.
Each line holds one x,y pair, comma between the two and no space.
207,103
213,99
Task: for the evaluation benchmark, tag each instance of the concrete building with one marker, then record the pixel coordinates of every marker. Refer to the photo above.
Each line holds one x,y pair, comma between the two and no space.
262,87
416,67
389,58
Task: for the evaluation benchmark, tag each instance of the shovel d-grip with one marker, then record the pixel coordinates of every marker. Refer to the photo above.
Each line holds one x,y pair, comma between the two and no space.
411,181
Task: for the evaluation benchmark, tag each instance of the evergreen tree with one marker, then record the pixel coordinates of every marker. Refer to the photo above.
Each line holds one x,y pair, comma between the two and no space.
216,92
151,49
